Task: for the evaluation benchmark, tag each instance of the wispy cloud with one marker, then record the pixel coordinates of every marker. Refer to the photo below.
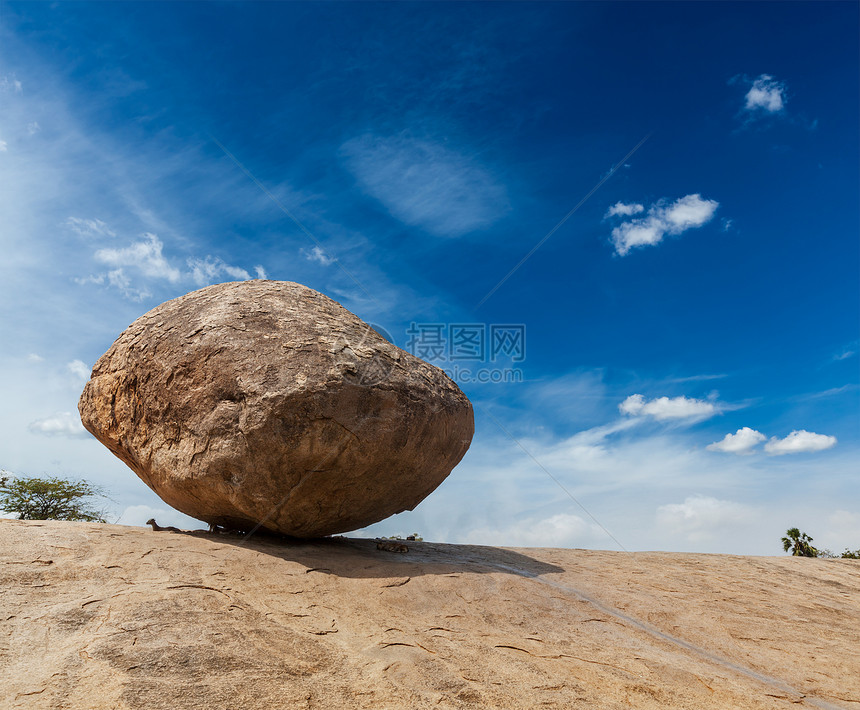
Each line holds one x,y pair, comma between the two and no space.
79,370
830,392
848,351
145,256
10,83
89,227
700,518
61,424
663,218
666,408
621,472
798,442
425,184
696,378
209,269
559,530
146,262
742,442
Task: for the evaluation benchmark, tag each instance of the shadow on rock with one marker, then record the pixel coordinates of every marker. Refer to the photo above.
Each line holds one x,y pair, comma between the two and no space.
360,558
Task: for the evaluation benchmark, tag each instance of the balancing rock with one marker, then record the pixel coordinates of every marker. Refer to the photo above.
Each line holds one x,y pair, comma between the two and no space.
267,403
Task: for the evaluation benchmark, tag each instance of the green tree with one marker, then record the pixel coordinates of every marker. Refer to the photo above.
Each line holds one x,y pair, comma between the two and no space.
798,543
50,499
851,554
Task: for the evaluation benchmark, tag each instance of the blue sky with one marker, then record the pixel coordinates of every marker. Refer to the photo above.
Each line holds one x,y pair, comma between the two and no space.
691,373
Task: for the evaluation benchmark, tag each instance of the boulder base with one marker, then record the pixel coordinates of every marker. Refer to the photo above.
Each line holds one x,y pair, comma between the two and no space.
265,402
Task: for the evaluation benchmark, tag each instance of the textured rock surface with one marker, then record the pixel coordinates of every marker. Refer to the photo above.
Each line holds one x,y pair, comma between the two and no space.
121,618
265,401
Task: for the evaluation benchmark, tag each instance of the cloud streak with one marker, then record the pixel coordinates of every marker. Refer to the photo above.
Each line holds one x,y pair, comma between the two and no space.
427,185
89,228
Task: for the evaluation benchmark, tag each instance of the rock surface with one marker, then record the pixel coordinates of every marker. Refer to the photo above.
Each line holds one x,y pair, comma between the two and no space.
121,618
267,402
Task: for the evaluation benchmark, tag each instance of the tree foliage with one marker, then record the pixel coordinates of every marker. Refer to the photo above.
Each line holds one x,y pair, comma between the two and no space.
798,543
50,499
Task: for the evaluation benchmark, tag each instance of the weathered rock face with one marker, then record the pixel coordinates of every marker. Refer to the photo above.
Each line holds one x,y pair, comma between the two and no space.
265,401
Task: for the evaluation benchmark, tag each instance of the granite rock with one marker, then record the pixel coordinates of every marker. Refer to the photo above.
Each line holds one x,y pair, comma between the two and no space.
266,402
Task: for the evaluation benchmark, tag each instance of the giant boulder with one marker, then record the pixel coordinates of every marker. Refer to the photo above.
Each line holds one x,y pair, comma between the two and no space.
267,403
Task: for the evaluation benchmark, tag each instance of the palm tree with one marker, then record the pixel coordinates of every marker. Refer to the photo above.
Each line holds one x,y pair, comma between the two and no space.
798,543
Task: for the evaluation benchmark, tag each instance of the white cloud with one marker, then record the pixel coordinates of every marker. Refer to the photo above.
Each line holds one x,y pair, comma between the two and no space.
61,424
89,227
34,357
3,146
624,210
79,369
33,128
689,212
743,442
686,213
318,255
209,270
145,256
665,408
561,530
701,518
638,233
766,94
426,184
622,476
798,442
